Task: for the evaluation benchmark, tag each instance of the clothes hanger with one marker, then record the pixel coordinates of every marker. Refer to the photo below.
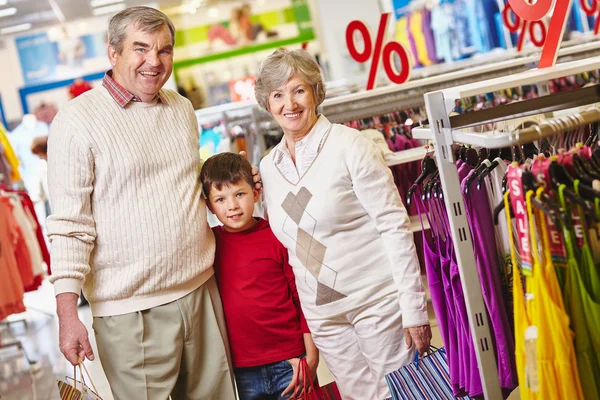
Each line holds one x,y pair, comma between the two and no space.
548,206
559,175
428,167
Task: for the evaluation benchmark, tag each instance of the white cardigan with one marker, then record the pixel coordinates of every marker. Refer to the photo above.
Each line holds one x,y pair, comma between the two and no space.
346,230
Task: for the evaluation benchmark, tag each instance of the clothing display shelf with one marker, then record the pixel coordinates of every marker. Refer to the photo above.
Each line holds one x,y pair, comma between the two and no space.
444,134
392,98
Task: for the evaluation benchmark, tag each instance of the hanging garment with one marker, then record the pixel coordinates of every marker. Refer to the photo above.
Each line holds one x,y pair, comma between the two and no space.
583,307
21,138
440,298
416,31
428,34
403,37
11,285
484,246
10,155
470,365
5,169
29,206
545,354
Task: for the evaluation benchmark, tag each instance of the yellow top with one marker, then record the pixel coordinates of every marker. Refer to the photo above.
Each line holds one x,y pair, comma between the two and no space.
10,155
545,354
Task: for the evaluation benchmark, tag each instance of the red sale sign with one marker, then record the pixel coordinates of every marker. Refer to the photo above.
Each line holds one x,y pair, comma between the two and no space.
379,52
533,12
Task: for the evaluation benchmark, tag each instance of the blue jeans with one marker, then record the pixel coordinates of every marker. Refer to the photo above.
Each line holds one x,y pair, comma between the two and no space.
265,382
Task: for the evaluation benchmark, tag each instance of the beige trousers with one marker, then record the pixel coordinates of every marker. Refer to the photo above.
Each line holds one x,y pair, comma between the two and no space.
179,349
362,346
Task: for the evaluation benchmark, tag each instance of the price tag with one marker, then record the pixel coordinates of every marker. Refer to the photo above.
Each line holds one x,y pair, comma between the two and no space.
531,365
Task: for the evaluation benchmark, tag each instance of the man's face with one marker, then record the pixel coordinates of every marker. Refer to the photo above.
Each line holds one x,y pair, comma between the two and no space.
145,63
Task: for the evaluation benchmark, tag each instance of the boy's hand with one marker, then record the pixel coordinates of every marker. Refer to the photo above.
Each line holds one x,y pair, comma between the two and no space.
255,174
298,379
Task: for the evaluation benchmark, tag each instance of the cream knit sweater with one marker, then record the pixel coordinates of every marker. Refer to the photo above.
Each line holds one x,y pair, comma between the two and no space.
128,216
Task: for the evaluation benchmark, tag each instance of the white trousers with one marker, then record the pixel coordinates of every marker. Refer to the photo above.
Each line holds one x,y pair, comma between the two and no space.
362,346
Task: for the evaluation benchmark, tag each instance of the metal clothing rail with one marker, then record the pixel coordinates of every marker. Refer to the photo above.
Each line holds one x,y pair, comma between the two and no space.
439,104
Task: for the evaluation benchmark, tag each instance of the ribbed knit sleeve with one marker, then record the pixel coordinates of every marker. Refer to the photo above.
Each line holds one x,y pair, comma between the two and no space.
71,227
374,187
128,221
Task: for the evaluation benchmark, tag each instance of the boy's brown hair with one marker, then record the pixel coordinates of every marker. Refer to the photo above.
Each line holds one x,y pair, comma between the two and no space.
225,169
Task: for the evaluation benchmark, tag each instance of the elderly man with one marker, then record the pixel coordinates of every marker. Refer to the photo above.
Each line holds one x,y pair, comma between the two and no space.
129,226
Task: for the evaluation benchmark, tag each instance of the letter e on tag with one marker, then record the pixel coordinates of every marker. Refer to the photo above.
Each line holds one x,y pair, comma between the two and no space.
531,365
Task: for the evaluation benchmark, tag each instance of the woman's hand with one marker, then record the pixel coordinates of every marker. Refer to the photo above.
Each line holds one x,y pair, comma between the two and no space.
255,174
421,336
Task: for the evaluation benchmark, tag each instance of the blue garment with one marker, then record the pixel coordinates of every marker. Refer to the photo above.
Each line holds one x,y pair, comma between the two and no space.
461,27
265,382
441,18
481,17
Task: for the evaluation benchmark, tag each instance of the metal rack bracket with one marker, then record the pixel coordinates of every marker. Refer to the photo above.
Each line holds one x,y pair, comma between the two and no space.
461,237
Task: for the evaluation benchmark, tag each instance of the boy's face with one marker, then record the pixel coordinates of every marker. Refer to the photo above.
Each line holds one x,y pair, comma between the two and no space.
233,205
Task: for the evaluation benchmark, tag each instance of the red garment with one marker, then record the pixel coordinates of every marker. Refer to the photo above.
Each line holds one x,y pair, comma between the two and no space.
11,285
28,204
258,288
19,247
121,95
78,88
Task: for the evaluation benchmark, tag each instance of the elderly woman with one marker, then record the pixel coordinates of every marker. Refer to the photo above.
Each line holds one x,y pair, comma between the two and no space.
332,202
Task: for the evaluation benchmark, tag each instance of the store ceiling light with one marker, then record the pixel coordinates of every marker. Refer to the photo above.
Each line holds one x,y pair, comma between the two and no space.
15,29
115,8
3,2
8,11
100,3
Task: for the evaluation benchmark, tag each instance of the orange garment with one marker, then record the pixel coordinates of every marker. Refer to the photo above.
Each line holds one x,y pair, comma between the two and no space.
11,285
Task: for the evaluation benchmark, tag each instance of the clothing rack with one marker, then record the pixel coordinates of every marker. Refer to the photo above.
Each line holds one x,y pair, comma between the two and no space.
440,77
444,134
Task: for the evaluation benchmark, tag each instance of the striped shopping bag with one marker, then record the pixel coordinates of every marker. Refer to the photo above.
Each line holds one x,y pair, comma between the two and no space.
426,378
73,389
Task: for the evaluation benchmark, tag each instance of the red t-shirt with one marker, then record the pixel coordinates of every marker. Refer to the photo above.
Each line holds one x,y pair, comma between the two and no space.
258,288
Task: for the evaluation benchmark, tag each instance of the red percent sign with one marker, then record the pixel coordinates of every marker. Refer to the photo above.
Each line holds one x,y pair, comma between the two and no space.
538,10
375,53
591,10
516,24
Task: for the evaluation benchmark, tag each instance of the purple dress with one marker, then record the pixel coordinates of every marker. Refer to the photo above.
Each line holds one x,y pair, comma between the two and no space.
484,245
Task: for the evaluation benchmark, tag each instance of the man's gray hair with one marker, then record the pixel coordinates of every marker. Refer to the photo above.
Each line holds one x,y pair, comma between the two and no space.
278,68
146,19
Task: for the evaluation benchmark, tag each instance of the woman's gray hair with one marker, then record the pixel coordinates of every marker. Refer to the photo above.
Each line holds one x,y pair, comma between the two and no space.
279,67
146,19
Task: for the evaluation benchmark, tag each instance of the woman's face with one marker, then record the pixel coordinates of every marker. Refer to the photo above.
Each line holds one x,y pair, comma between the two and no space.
293,106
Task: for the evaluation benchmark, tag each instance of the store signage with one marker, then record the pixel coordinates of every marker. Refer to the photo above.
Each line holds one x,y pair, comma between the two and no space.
558,19
242,89
378,52
536,30
44,59
519,206
592,9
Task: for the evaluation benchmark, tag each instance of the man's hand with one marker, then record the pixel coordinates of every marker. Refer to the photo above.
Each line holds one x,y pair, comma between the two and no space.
255,174
421,336
74,341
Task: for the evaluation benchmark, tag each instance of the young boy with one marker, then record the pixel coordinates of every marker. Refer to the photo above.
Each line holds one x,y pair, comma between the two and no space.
267,331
